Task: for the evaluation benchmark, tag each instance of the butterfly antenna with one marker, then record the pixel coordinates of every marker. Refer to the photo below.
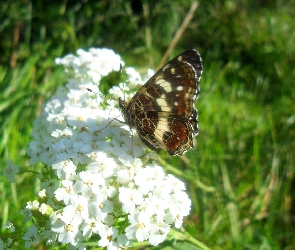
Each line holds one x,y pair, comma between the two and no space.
90,90
106,97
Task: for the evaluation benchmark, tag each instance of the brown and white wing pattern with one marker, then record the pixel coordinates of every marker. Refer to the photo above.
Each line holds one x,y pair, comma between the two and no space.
162,111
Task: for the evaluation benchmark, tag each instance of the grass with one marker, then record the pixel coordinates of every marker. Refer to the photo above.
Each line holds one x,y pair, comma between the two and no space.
240,176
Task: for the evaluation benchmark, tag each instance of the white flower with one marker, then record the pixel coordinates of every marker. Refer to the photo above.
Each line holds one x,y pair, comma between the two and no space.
125,175
89,183
108,238
158,231
139,228
43,208
173,216
10,170
68,232
6,244
77,211
181,202
92,225
103,164
32,205
65,133
27,214
50,236
100,207
50,186
64,168
176,184
116,92
156,205
76,116
147,178
9,226
31,236
163,189
68,59
133,145
130,198
133,77
123,241
66,193
42,193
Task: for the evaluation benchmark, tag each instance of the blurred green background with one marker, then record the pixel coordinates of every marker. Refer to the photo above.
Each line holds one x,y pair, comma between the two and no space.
240,176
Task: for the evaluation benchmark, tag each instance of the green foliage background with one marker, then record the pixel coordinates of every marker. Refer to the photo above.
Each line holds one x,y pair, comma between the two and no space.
240,176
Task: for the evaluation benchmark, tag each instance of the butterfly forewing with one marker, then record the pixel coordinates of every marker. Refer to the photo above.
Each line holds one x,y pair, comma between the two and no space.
162,111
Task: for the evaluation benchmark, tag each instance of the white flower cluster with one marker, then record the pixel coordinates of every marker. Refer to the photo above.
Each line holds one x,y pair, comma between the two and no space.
105,183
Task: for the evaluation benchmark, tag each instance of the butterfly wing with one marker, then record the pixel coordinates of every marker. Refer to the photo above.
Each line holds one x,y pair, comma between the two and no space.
165,130
162,110
173,88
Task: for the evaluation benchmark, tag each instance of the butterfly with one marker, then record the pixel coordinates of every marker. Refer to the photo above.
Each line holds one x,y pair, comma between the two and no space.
162,111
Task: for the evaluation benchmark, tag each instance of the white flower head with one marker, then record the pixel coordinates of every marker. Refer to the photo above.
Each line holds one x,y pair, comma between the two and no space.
100,180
